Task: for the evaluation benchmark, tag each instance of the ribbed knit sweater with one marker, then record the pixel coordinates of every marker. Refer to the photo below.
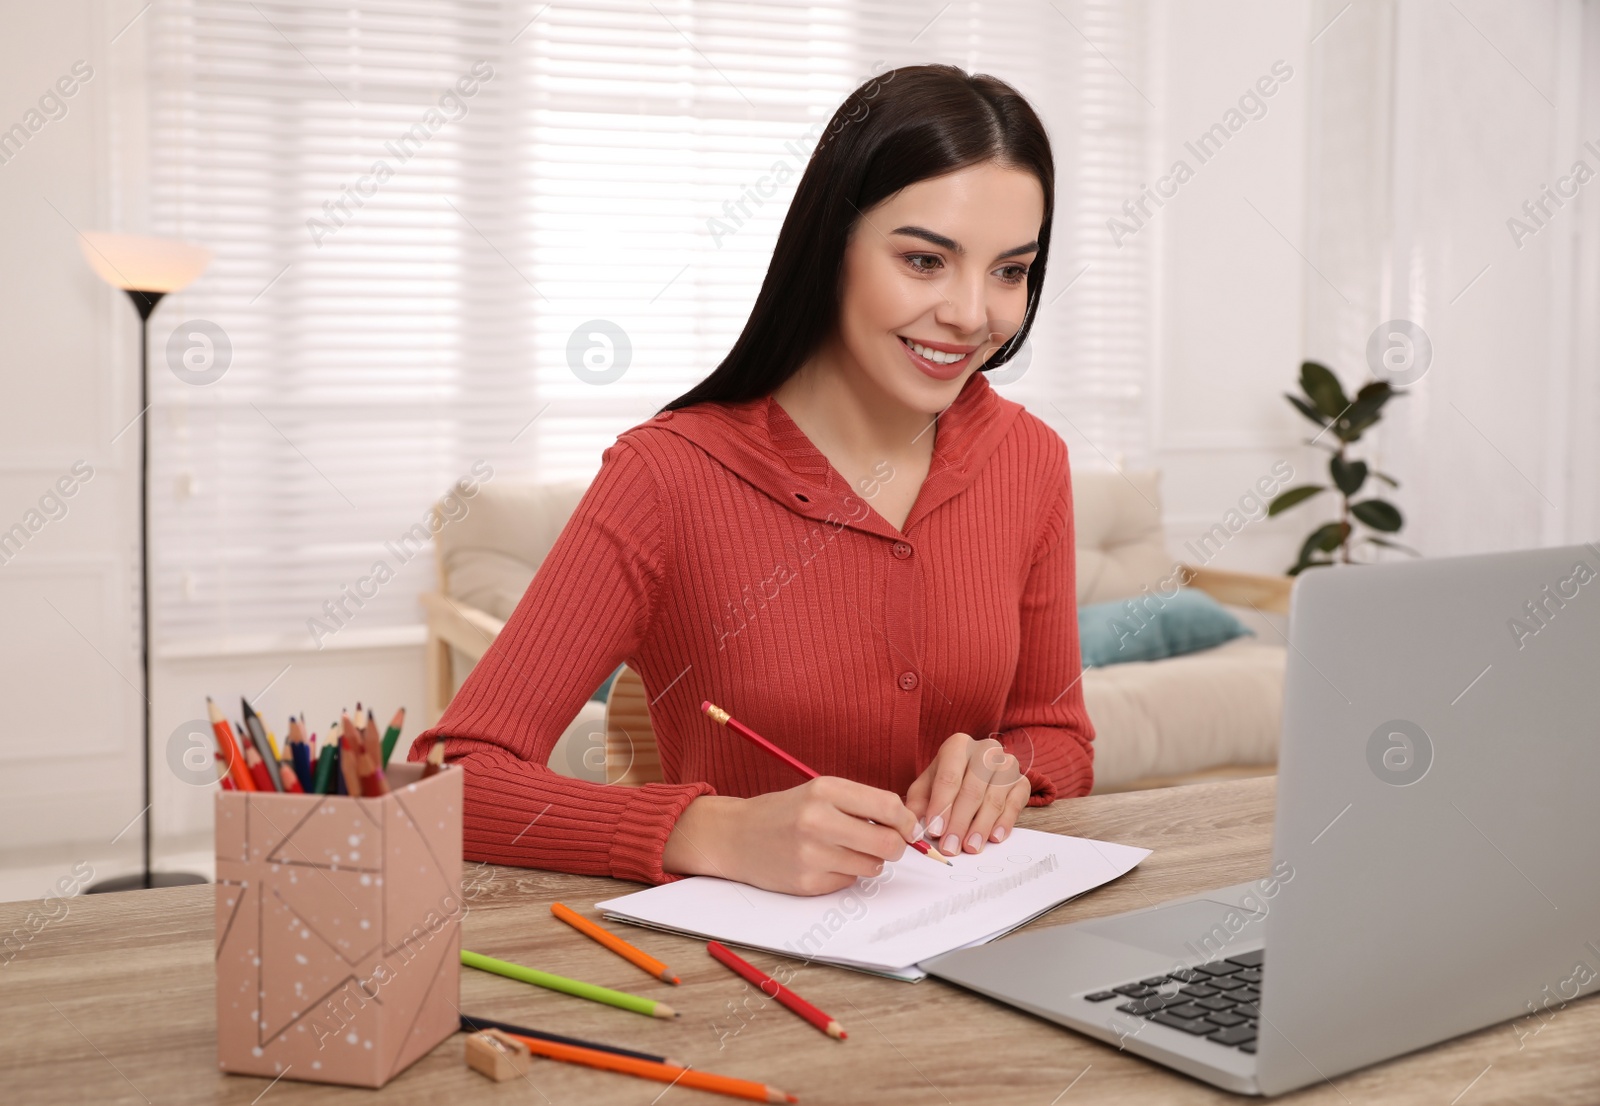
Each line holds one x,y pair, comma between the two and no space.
721,555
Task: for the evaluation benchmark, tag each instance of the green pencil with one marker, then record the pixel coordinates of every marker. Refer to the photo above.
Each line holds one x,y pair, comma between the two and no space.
392,734
324,771
648,1007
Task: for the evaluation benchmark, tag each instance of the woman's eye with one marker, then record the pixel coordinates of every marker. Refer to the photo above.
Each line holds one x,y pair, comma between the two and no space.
1014,274
913,258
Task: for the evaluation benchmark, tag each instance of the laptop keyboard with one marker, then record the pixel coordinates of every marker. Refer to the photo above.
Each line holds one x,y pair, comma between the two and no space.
1217,1001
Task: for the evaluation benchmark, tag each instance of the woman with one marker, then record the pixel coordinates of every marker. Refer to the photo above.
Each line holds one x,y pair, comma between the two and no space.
843,536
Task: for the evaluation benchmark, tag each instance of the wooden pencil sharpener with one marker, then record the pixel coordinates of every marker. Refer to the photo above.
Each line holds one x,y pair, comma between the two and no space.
498,1055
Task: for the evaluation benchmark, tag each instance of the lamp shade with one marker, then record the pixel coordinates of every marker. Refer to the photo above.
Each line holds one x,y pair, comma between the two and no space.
135,262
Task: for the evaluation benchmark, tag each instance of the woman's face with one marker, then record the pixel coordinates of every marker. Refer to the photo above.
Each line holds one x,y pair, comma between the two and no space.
935,280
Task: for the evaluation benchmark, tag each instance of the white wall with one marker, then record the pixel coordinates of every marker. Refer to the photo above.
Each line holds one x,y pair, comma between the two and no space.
70,659
1231,285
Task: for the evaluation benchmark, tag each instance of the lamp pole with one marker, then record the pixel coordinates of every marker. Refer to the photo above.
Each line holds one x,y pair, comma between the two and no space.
145,303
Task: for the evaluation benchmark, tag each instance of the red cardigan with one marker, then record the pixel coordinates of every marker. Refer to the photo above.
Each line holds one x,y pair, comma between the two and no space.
722,557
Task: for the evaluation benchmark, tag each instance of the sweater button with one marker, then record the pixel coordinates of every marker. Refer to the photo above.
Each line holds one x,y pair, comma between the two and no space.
908,681
902,549
663,416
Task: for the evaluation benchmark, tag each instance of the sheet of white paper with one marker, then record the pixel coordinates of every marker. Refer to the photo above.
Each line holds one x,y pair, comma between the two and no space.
915,910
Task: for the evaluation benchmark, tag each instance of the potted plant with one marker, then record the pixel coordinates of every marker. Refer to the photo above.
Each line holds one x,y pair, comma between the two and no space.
1344,421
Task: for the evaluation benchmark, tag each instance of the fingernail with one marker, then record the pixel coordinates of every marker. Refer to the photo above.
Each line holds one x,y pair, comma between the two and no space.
936,826
975,842
917,832
951,846
999,834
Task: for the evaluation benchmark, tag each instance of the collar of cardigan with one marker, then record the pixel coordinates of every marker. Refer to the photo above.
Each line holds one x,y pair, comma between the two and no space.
769,451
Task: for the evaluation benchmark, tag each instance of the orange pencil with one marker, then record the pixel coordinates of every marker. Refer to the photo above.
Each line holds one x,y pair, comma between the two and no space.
372,756
232,758
370,738
662,1073
773,989
614,943
349,754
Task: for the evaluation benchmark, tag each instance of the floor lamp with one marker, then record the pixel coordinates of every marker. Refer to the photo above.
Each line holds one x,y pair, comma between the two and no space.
146,269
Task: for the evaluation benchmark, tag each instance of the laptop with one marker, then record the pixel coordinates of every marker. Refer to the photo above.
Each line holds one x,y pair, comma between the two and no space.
1434,849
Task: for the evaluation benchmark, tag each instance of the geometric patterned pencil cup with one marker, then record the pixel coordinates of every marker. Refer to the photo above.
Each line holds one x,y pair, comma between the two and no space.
339,928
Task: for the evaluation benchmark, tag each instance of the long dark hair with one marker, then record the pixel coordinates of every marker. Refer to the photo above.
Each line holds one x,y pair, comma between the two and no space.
910,124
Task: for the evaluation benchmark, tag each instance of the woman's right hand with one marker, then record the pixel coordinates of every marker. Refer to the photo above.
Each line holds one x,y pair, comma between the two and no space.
808,840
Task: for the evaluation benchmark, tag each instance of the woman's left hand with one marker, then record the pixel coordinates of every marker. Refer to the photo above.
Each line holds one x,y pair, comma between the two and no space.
970,794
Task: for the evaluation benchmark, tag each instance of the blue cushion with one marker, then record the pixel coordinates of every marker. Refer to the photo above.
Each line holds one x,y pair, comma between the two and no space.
1153,626
605,688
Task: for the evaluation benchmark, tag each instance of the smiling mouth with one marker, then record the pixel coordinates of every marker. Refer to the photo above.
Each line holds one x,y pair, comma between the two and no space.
938,358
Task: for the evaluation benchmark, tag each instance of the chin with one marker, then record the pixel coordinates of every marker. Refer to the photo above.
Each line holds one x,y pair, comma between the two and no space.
923,393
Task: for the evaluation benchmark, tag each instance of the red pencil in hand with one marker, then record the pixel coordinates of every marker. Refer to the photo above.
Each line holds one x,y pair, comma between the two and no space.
717,714
773,989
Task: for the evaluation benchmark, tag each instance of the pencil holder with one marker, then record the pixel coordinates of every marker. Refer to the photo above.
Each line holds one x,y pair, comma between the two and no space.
338,929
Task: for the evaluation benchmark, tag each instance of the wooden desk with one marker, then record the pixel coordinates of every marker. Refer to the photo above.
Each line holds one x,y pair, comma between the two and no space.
114,1003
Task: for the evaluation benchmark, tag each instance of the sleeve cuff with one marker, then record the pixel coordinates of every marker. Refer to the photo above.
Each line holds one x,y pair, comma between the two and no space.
1045,787
646,823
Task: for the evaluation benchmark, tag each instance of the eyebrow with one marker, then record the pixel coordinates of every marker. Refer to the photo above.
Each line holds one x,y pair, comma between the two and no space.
955,247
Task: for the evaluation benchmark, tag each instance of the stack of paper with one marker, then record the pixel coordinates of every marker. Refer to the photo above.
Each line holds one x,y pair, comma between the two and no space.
917,909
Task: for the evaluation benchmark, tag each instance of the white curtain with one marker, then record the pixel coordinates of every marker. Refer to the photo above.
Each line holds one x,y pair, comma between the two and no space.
1433,124
423,212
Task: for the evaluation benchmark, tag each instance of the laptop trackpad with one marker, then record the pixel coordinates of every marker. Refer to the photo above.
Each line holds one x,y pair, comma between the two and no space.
1200,930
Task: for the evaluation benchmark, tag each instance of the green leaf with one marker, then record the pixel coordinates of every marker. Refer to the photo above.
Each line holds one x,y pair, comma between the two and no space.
1387,544
1295,571
1349,431
1386,478
1365,409
1306,409
1379,514
1293,496
1323,388
1324,539
1370,400
1348,476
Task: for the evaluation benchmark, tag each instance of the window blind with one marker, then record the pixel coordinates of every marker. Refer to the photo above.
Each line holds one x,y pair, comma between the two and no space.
424,214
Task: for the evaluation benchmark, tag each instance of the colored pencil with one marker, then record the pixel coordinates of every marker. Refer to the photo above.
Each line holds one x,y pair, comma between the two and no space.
222,774
232,755
615,944
300,754
349,754
392,734
574,987
471,1024
662,1073
371,776
286,772
773,989
325,770
349,766
717,714
258,769
369,737
258,734
435,759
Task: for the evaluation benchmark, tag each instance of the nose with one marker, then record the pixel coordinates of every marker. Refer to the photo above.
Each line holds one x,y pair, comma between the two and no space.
964,308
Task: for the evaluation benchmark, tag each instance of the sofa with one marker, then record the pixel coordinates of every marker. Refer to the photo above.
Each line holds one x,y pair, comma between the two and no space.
1203,715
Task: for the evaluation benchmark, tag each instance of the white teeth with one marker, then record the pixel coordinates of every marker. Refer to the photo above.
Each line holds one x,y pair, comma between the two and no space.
934,355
